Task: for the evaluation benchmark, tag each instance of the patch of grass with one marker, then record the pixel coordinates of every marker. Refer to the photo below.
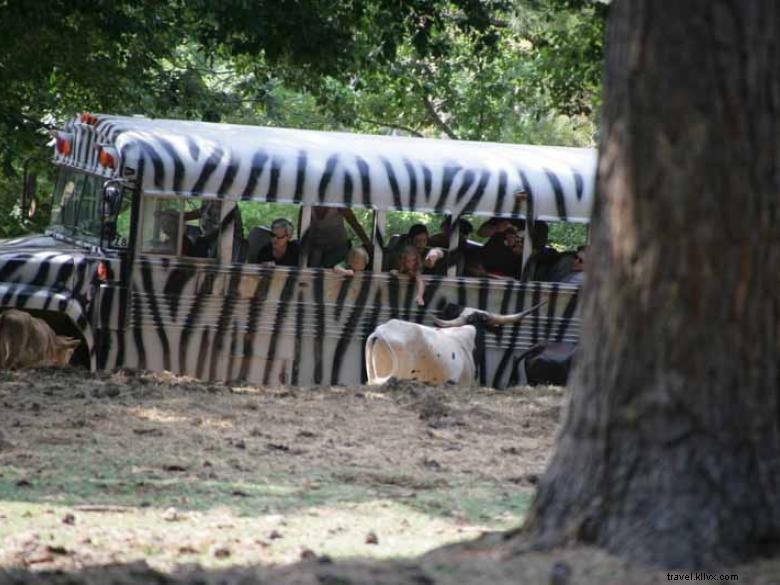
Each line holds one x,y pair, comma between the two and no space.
478,505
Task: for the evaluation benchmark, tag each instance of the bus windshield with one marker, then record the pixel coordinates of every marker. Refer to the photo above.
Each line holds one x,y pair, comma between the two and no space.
76,206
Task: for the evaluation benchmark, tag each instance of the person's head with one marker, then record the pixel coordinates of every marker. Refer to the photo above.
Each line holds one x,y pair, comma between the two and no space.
579,259
418,236
281,232
465,228
409,260
357,259
517,246
169,224
540,234
434,256
512,237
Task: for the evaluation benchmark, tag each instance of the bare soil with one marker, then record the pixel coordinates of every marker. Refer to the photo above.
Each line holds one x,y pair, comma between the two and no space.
150,478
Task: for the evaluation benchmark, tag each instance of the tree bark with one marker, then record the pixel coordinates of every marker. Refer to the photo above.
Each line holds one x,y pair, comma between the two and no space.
669,451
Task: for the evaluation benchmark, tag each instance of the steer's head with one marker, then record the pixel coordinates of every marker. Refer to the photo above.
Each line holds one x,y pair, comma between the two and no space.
483,319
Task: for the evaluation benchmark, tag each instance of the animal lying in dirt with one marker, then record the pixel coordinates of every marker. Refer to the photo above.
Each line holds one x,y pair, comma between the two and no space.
410,351
26,341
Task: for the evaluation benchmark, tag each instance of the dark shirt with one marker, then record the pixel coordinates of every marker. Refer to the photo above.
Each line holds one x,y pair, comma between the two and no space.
498,258
544,263
290,258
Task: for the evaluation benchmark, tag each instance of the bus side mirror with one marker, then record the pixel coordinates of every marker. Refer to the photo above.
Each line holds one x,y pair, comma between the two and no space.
29,188
29,206
112,198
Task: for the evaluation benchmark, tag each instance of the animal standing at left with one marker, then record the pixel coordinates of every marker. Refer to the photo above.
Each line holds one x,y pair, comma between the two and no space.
26,341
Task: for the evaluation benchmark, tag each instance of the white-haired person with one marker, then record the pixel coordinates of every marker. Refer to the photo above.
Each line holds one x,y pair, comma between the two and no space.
282,250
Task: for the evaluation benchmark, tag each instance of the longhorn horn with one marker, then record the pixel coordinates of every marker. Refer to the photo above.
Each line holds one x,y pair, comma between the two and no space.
510,319
456,322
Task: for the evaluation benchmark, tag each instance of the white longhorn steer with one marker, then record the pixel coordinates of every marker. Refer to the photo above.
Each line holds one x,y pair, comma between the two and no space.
410,351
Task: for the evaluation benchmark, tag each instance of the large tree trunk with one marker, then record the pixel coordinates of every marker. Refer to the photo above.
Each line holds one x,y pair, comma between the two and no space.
670,448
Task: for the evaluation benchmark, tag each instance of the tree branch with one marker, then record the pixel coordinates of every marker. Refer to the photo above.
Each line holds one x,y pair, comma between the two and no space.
437,120
411,131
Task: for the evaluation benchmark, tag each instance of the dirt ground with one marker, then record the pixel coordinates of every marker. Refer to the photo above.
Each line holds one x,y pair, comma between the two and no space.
149,478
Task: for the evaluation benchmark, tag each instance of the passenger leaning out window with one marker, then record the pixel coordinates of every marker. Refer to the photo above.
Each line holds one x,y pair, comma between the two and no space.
410,263
356,261
577,274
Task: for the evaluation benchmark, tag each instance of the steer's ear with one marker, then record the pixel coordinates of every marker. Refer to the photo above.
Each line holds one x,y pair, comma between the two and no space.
65,346
68,342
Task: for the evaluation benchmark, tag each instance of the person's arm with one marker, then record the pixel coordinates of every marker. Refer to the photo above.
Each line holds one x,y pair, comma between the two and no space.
433,256
295,253
420,284
349,215
342,269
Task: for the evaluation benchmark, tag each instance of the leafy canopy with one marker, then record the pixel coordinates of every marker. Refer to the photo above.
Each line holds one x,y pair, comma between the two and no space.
472,69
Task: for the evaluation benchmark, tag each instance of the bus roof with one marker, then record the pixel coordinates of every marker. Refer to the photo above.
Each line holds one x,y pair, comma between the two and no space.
337,168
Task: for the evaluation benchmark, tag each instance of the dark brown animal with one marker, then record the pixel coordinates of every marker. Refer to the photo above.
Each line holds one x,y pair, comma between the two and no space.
548,362
26,341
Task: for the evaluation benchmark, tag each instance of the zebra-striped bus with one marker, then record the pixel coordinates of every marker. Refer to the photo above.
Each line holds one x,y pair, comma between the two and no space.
116,266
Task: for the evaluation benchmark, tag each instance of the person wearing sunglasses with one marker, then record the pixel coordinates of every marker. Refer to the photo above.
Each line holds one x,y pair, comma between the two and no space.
577,274
282,250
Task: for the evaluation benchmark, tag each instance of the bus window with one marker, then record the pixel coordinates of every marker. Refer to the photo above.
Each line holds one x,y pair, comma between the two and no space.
66,197
556,249
162,220
76,206
88,220
330,232
413,228
493,246
568,236
258,220
202,220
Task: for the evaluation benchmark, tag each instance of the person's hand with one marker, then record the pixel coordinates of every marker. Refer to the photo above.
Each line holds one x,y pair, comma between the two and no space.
433,256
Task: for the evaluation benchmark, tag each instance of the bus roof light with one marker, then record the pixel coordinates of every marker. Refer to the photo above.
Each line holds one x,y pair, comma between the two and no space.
63,143
87,118
107,157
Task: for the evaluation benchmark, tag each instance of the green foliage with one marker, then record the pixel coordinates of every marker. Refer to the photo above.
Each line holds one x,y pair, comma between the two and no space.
567,236
263,214
399,222
526,72
509,89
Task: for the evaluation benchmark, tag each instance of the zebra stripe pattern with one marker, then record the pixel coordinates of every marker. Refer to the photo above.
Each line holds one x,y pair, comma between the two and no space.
199,159
225,321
